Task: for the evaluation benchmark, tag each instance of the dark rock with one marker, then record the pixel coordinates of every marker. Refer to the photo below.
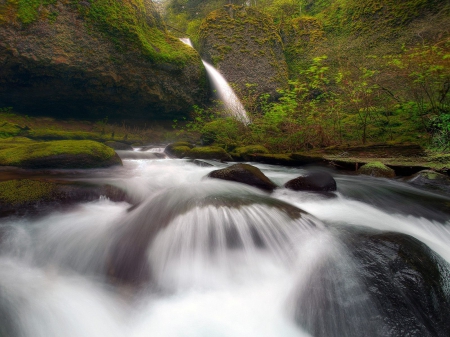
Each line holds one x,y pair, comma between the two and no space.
431,180
385,284
119,146
313,181
246,174
244,45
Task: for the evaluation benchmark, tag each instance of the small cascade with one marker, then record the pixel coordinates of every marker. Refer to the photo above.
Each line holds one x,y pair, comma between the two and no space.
223,91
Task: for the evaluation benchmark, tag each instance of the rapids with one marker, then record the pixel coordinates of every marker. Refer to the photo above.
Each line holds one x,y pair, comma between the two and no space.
207,258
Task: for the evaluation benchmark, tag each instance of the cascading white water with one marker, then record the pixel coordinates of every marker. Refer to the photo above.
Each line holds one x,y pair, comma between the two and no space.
218,259
223,91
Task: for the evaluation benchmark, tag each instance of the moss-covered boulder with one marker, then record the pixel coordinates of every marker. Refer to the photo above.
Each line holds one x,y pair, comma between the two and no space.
209,152
245,152
37,196
376,169
244,45
95,58
245,174
317,181
9,130
62,154
178,149
431,180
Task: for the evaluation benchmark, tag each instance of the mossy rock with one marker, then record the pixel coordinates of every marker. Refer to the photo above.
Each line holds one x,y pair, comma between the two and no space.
208,152
431,180
245,174
37,196
63,154
16,192
178,149
376,169
243,152
47,134
9,130
13,141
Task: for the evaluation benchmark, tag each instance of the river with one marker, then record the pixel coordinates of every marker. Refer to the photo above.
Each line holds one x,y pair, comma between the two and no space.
220,259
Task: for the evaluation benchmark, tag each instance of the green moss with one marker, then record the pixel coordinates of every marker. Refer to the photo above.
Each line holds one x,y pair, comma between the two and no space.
180,151
48,134
24,190
9,130
250,149
26,152
208,152
127,24
377,169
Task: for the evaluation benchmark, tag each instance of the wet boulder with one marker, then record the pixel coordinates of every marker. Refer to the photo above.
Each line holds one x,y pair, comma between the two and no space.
245,174
385,284
178,149
376,169
431,180
40,196
128,261
208,152
318,181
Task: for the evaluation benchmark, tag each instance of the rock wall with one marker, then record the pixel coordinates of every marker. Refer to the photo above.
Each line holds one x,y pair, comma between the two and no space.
93,59
244,45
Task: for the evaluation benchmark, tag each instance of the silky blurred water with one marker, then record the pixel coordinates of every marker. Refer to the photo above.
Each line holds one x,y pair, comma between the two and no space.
225,259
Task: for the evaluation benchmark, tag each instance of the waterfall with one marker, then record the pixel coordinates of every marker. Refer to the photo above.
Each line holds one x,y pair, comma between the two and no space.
223,91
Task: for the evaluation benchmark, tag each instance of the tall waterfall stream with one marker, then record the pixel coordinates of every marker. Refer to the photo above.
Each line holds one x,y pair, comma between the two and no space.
211,258
222,90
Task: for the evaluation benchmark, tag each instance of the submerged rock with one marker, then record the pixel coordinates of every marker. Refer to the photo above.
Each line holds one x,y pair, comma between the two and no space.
318,181
246,174
128,262
95,59
62,154
385,284
376,169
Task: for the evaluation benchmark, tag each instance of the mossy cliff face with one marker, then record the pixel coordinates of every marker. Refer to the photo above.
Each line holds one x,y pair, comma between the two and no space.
95,58
244,45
